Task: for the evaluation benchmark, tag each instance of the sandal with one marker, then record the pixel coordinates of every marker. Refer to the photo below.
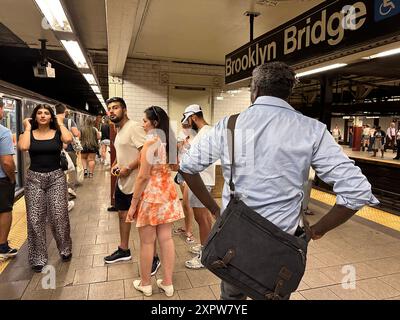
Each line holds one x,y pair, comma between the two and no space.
190,238
180,230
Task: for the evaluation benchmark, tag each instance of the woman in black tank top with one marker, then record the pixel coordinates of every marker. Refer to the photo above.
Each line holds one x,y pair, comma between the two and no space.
45,185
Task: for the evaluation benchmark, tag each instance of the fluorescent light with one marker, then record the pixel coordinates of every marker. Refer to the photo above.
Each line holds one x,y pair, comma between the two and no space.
95,89
384,54
54,14
90,78
74,50
322,69
220,98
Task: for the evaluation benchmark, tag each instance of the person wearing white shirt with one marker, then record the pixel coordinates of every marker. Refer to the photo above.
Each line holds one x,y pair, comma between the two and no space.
391,136
193,116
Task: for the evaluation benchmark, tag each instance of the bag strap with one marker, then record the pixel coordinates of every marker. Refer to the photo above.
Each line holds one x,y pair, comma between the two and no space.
231,147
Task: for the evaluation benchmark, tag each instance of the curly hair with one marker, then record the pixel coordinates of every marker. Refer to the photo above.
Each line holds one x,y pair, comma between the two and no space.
275,79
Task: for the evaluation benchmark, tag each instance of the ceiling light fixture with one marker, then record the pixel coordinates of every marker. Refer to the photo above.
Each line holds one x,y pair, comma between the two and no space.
384,54
54,14
95,89
322,69
75,52
90,78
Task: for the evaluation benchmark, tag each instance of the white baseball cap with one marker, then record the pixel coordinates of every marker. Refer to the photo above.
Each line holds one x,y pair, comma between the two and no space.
189,111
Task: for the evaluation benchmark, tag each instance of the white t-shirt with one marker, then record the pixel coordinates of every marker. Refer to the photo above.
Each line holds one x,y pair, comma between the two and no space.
208,175
130,138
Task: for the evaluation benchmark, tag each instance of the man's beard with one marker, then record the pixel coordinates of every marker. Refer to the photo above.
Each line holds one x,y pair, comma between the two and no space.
116,120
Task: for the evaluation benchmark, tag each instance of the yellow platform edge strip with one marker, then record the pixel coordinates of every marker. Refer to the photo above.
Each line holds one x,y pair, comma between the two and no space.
18,232
378,216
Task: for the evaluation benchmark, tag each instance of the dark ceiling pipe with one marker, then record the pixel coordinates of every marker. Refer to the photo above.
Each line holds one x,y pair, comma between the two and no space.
252,15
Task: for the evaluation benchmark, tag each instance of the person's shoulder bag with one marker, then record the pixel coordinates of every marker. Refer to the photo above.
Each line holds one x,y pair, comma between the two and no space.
251,253
76,144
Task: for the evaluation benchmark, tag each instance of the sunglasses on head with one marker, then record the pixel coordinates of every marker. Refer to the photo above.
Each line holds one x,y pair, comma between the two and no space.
155,111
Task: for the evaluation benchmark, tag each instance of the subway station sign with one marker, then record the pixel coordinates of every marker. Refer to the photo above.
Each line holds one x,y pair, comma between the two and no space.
325,29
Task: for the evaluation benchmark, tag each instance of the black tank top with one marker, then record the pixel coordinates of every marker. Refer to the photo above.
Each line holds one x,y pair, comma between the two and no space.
45,154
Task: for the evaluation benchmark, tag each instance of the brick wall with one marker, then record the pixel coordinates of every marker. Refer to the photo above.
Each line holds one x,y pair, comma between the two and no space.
231,104
142,87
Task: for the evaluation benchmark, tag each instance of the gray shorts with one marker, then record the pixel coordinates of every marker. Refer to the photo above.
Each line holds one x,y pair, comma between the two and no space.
194,202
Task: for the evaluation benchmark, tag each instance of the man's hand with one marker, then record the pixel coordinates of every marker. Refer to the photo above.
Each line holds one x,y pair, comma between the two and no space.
125,171
313,235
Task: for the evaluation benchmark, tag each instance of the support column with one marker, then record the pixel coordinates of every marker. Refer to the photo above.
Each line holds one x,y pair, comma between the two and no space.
326,101
115,85
357,134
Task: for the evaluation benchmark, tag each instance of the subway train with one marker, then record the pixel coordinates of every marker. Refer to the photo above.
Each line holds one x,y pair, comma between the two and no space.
18,105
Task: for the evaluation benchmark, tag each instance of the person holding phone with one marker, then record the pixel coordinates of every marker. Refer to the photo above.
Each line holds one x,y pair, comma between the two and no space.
46,185
155,203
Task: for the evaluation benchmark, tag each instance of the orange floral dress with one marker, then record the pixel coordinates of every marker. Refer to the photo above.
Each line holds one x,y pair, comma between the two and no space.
159,203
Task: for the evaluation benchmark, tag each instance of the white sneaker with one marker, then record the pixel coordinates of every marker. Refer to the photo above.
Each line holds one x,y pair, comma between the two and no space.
169,290
196,249
71,191
194,263
71,205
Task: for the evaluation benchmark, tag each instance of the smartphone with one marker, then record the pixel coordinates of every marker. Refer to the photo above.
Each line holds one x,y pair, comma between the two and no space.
116,171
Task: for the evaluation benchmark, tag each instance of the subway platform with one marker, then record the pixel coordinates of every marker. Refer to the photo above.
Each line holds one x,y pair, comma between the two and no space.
359,260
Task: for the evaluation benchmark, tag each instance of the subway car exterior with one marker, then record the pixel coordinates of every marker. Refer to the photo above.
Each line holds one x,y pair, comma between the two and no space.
18,105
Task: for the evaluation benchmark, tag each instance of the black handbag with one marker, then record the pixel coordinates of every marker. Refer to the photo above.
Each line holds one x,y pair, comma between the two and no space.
63,161
250,252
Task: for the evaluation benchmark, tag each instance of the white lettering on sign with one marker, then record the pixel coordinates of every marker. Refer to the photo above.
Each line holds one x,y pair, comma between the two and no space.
319,29
254,57
349,18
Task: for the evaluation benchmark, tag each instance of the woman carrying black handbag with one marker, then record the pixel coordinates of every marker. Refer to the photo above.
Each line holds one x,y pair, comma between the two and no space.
46,186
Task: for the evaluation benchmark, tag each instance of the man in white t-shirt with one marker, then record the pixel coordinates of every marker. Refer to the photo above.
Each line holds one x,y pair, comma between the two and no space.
128,143
193,116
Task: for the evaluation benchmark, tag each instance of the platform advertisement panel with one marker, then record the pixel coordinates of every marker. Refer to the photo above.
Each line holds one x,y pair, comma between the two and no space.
321,31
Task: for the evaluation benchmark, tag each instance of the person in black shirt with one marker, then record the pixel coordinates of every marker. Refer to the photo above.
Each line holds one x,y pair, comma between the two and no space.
379,141
46,185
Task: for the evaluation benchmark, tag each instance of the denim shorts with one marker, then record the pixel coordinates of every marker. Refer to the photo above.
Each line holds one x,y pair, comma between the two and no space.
194,202
7,193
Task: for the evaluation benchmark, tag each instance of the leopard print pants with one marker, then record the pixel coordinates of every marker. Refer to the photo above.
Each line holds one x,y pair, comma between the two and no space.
47,201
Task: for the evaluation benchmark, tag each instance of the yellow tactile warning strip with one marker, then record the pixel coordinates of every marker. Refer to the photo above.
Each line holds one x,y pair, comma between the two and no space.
18,232
378,216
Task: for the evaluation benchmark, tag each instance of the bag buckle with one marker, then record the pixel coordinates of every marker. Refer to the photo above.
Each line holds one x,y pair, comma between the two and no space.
219,264
284,274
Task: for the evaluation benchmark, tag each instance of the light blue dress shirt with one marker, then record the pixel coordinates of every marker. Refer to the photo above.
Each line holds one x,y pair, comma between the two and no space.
274,148
6,146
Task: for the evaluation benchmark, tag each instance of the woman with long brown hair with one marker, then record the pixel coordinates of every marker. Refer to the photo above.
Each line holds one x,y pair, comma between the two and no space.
46,185
155,203
90,143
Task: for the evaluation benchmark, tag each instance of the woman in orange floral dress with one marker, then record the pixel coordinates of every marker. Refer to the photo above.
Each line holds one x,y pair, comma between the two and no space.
155,203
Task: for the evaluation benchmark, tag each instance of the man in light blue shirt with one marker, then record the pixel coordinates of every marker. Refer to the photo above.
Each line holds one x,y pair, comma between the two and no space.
7,188
274,148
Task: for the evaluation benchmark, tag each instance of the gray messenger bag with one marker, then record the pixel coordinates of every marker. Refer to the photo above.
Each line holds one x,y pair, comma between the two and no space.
251,253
